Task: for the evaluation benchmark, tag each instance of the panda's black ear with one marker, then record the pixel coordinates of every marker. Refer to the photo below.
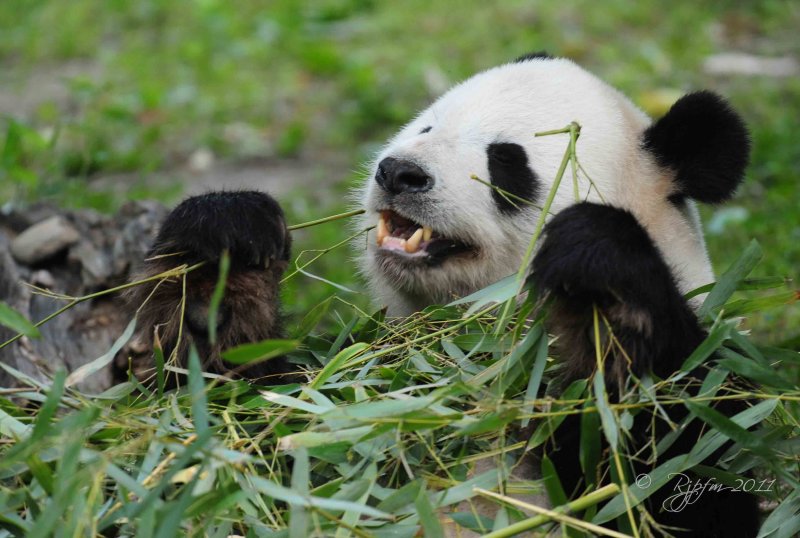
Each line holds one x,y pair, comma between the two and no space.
537,55
705,142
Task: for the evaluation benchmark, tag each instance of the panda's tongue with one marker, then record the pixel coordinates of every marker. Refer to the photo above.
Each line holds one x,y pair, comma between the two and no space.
400,244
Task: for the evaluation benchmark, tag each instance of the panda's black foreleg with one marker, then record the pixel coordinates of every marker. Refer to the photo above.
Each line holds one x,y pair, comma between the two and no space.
606,277
250,227
600,256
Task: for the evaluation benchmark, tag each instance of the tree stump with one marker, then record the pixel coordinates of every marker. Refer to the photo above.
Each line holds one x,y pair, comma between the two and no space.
70,253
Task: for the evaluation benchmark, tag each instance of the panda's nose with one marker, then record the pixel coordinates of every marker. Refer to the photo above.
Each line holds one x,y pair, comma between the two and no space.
399,176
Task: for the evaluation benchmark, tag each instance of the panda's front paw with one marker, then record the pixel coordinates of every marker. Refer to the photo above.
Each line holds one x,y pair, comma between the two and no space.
249,225
600,254
600,257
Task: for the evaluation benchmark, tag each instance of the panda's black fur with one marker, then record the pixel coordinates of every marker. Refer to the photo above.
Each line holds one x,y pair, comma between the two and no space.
596,256
592,256
705,142
599,255
204,226
510,172
539,54
251,228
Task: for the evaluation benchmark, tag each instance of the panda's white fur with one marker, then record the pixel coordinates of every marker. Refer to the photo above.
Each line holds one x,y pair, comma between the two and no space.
511,103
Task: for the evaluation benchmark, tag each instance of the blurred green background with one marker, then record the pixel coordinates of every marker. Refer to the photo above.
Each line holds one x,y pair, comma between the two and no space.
102,101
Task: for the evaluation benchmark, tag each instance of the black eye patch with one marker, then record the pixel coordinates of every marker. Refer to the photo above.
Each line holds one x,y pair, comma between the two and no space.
509,171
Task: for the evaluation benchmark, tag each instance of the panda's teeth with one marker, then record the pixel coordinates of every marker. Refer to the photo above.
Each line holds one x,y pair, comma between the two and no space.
412,244
427,233
383,232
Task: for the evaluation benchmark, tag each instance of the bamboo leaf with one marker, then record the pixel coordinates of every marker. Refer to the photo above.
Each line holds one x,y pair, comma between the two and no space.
507,363
41,472
750,369
713,341
402,497
759,304
607,419
539,363
103,360
500,291
550,423
48,410
337,362
260,351
312,318
726,426
552,484
289,495
665,472
729,280
172,515
488,480
17,322
589,450
298,513
490,422
431,527
216,296
294,403
313,439
341,338
784,520
382,408
197,389
359,493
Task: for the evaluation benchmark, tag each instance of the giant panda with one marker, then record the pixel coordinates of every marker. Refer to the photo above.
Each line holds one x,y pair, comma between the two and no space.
631,245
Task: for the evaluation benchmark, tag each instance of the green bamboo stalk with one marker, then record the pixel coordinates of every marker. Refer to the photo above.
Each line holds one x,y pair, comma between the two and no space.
579,504
575,128
326,219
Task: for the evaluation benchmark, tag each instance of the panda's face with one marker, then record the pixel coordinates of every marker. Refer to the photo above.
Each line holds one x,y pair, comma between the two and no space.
440,230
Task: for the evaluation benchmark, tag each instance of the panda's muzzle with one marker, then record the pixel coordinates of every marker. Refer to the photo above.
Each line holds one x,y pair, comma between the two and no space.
403,236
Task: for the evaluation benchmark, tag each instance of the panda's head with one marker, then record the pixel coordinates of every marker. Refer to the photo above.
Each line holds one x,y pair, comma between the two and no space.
441,233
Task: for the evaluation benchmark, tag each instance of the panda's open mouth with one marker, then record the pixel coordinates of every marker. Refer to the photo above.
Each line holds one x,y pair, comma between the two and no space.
403,236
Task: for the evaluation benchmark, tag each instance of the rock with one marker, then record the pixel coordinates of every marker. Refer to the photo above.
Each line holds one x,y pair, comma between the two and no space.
97,267
737,63
201,160
43,240
137,225
43,278
15,219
